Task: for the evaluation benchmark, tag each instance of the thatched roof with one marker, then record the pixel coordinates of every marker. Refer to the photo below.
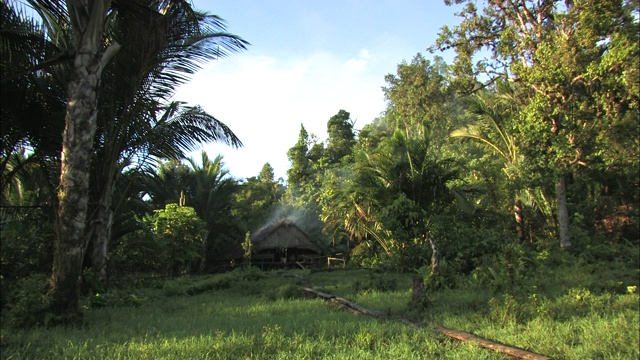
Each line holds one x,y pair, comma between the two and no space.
282,235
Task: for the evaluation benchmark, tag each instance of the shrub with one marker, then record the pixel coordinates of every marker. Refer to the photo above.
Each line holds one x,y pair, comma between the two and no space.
287,291
247,273
115,297
28,302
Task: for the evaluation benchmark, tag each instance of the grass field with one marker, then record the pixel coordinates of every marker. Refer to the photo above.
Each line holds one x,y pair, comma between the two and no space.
263,315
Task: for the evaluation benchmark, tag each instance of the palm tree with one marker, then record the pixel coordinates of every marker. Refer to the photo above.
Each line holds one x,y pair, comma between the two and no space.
33,102
211,194
76,32
491,114
162,43
396,189
347,206
168,41
166,184
425,183
31,182
177,131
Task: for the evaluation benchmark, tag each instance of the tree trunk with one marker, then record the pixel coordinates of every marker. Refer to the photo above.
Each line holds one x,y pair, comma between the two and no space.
101,236
77,144
419,299
418,294
435,257
87,20
519,215
563,213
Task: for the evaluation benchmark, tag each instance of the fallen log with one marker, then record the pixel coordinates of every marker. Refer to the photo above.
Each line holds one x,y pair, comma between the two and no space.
342,302
455,334
319,294
357,308
488,344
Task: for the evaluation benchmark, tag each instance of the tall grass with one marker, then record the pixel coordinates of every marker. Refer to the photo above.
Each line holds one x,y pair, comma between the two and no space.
261,315
233,323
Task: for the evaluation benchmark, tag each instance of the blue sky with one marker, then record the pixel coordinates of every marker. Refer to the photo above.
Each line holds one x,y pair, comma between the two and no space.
307,60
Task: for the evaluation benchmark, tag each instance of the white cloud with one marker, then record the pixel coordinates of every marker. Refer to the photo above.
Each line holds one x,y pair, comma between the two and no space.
359,64
264,100
364,54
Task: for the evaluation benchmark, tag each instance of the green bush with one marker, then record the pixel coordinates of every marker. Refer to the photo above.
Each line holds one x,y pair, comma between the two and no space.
216,283
28,302
505,271
26,246
115,298
287,291
168,242
378,282
247,273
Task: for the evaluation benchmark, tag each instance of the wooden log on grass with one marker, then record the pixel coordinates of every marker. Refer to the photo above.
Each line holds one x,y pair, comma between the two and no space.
357,308
342,302
455,334
319,294
488,344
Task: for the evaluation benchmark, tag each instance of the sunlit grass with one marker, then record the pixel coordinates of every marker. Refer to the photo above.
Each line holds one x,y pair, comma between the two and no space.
262,316
223,325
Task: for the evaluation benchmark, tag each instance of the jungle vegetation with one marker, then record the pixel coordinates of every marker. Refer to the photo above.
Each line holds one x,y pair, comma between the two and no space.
519,158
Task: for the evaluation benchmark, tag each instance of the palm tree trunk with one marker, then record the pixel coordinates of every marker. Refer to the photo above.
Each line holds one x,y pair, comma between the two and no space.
519,215
563,213
87,20
435,257
77,144
419,299
418,293
101,236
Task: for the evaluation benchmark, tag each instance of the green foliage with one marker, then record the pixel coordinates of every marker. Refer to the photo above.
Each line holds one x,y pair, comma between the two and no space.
138,252
257,199
300,170
341,137
369,256
247,245
376,281
420,93
506,270
180,228
574,95
565,319
114,298
28,302
168,242
26,246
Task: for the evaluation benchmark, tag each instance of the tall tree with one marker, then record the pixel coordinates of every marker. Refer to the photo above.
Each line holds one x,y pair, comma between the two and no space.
393,196
258,199
559,51
300,169
419,93
163,43
211,194
341,136
91,52
33,102
267,177
493,114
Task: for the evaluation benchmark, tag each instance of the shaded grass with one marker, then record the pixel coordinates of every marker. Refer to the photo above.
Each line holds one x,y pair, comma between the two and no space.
262,315
223,327
229,324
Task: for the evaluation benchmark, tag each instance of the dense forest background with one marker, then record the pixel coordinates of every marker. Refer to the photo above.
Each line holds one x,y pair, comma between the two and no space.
525,147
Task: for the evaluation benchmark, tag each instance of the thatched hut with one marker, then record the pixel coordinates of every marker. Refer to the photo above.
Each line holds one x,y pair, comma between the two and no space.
281,244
